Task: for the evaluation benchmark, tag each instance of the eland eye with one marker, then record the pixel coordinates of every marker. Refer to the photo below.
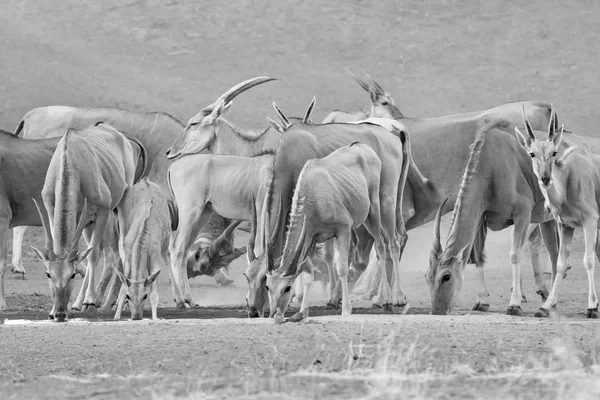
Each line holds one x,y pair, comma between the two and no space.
287,289
267,287
532,155
48,275
74,274
127,297
554,154
384,103
145,297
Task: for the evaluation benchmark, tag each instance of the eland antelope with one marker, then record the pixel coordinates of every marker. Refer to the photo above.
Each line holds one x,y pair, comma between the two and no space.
362,243
383,105
146,232
203,184
255,273
498,190
448,138
209,130
570,184
351,175
303,141
23,168
96,165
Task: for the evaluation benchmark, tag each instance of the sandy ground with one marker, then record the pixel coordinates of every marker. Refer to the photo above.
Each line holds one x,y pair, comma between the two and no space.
436,58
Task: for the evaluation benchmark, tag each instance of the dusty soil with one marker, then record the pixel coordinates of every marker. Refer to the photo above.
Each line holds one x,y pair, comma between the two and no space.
436,57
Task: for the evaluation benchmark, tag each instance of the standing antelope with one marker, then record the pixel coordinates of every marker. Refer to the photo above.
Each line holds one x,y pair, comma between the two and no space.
95,165
383,105
498,190
333,195
571,186
145,246
203,184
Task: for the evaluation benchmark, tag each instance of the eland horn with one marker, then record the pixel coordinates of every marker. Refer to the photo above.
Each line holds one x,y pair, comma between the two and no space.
214,246
238,89
359,81
437,245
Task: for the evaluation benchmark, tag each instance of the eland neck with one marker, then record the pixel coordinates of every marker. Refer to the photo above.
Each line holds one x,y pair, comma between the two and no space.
229,140
470,202
66,205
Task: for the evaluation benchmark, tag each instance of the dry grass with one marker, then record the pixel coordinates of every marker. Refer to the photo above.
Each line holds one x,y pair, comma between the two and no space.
408,371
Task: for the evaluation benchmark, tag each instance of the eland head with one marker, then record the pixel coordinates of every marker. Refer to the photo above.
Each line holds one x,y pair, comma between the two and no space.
137,291
543,153
61,268
383,104
259,264
281,280
201,130
445,274
213,255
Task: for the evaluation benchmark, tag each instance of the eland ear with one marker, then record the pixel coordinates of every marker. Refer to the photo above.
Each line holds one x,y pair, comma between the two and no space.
42,255
122,278
373,95
276,126
150,280
524,141
236,253
557,138
80,257
463,255
217,111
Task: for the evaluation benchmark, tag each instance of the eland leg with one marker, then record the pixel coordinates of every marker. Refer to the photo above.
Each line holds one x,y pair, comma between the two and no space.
565,234
78,303
114,286
394,231
589,262
17,267
482,290
4,221
196,218
344,239
518,236
90,302
551,237
373,224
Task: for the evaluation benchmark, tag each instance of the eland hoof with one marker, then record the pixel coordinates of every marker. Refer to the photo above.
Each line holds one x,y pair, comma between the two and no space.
542,313
514,310
401,309
481,307
18,275
592,313
90,308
